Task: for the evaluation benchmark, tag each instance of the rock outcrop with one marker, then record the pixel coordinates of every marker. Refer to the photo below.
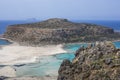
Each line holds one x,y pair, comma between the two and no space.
100,61
58,31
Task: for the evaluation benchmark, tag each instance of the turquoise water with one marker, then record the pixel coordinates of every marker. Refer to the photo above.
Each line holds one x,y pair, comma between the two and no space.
74,47
117,44
46,65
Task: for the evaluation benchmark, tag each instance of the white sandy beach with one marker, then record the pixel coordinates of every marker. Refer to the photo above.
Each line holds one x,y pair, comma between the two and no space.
16,54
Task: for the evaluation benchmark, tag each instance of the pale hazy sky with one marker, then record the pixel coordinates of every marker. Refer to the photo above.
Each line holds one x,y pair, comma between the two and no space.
71,9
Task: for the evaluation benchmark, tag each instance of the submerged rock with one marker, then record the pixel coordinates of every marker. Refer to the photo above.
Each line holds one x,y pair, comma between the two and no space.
98,62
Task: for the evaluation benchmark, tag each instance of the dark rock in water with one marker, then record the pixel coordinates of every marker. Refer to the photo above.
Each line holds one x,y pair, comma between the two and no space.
55,31
19,65
98,62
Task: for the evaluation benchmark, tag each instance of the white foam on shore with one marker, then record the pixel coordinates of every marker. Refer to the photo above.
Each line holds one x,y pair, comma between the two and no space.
16,54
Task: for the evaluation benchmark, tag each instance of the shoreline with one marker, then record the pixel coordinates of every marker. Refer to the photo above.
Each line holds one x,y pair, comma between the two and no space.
17,54
7,40
28,55
87,42
11,41
33,78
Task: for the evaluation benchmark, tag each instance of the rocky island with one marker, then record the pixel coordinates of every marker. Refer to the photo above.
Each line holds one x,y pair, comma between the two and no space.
55,31
99,61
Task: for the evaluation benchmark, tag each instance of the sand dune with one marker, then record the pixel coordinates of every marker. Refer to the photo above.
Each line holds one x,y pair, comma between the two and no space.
16,54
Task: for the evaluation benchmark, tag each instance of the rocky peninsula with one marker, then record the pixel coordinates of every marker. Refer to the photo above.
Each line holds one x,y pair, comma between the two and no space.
100,61
55,31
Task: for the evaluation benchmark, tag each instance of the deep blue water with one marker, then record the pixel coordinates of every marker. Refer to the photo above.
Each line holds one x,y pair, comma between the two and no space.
4,42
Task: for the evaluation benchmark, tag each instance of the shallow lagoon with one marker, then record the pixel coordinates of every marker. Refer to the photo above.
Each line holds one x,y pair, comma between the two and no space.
48,65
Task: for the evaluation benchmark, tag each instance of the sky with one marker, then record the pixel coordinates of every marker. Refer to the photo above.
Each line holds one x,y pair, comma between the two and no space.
69,9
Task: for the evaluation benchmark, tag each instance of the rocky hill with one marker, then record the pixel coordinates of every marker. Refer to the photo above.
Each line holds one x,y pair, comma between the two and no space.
96,62
58,31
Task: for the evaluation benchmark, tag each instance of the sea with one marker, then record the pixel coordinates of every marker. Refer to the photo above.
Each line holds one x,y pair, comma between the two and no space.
49,65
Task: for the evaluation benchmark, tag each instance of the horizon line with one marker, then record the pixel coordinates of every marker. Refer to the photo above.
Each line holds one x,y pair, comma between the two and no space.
38,19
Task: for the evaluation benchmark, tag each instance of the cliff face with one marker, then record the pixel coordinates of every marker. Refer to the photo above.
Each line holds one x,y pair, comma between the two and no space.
57,31
96,62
